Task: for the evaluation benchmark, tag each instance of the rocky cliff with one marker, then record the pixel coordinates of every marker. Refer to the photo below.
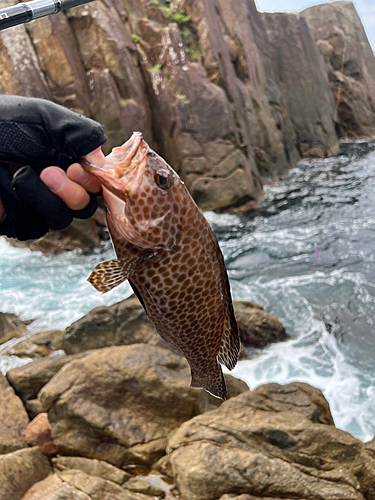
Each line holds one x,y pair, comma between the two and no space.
230,97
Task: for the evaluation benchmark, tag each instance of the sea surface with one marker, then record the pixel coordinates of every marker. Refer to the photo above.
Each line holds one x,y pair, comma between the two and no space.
307,255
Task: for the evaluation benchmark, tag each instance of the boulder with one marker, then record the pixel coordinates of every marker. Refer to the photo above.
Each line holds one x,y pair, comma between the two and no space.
27,380
126,323
257,327
38,433
54,487
20,470
13,419
241,449
123,323
93,467
37,345
77,485
119,404
11,327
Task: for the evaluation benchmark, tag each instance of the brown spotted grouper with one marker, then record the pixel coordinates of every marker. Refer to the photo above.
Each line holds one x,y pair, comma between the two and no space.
169,254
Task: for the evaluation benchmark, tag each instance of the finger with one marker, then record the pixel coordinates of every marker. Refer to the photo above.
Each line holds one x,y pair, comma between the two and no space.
71,193
96,157
77,174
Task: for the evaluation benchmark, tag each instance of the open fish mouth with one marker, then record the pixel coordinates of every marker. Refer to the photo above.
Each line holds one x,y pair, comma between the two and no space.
121,164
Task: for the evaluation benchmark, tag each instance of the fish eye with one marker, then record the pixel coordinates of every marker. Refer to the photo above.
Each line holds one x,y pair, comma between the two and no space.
163,179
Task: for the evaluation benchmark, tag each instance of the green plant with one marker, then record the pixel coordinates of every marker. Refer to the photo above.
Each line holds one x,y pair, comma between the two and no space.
156,67
195,54
155,3
179,17
185,34
164,9
135,38
183,97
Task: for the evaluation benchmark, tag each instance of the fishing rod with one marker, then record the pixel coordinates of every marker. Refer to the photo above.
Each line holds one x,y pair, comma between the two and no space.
28,11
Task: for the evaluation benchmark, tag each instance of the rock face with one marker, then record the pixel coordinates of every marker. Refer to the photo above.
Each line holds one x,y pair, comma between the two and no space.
228,96
349,63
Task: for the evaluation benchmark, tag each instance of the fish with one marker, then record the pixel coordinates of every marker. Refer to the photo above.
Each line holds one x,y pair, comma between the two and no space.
169,254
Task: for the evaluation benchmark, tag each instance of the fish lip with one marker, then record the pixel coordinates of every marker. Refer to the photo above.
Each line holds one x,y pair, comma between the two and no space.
112,175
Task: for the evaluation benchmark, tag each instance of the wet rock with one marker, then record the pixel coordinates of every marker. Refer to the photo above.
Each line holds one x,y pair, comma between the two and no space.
138,485
37,345
257,327
350,65
11,327
20,470
119,404
38,433
13,419
242,449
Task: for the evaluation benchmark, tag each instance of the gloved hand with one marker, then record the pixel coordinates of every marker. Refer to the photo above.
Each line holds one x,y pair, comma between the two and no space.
35,134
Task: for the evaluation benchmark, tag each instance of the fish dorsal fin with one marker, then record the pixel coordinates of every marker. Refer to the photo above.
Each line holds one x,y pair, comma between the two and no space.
230,342
112,273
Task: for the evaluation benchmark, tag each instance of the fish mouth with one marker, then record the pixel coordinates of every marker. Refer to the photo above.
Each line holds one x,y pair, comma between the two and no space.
120,163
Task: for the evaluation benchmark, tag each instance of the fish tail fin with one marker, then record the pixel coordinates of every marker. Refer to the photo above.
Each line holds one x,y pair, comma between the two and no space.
212,380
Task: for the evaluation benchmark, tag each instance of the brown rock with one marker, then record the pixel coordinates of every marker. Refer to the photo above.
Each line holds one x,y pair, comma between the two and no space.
11,327
94,467
97,488
20,470
123,323
36,345
242,449
119,404
297,397
296,61
52,488
350,65
126,323
38,433
257,327
13,419
27,380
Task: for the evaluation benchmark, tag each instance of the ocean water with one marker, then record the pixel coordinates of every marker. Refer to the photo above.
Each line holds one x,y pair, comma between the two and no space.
307,255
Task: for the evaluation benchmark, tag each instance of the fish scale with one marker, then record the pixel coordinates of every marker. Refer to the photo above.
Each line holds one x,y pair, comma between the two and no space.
168,252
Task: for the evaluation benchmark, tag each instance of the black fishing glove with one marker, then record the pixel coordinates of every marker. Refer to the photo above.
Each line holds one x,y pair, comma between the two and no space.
38,133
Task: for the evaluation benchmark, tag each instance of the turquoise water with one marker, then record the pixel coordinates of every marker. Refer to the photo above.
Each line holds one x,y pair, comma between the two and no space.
307,255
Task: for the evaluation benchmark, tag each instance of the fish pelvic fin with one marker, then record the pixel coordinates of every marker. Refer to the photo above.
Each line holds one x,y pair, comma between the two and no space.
112,273
211,380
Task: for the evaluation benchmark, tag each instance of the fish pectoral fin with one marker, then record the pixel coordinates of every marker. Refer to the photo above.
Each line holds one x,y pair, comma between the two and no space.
112,273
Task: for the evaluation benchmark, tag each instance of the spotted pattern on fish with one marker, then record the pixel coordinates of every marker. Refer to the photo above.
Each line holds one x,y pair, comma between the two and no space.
168,252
